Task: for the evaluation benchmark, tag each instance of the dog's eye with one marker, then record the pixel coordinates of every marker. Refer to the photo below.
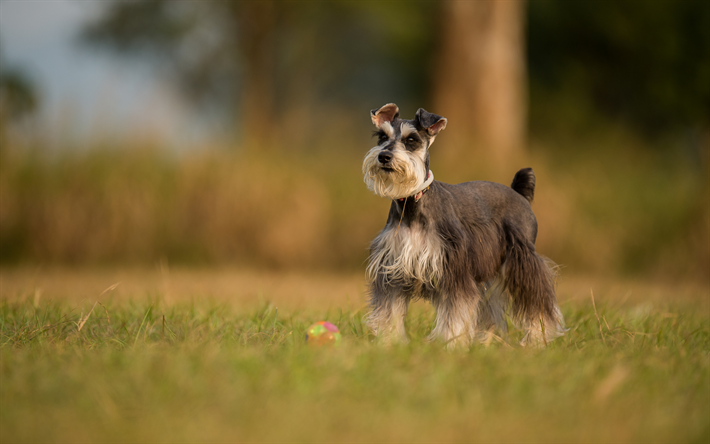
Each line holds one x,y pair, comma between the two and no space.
411,139
381,136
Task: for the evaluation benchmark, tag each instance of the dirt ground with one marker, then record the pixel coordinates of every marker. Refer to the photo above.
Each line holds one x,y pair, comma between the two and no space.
288,289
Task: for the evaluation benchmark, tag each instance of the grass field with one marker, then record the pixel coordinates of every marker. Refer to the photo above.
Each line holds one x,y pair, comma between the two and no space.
199,356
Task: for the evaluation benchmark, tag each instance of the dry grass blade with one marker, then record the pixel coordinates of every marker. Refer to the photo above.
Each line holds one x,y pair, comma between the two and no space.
611,383
135,341
83,321
490,336
486,342
108,318
542,327
608,329
111,288
597,315
165,275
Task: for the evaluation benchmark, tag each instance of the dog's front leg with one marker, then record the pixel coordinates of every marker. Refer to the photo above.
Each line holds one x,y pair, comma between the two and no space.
386,318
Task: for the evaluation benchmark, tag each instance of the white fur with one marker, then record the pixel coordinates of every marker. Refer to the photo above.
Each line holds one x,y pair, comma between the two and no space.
541,332
408,254
456,319
404,181
406,129
494,304
387,320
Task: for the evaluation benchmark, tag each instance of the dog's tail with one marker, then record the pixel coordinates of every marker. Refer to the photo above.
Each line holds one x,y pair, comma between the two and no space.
524,183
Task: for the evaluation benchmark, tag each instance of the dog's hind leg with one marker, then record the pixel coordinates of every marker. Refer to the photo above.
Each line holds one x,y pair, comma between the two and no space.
386,318
491,310
530,279
456,318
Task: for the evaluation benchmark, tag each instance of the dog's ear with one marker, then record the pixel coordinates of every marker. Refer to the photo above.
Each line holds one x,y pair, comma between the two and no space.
386,113
431,122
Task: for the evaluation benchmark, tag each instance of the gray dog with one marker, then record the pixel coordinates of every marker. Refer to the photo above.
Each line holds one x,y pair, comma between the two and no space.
469,248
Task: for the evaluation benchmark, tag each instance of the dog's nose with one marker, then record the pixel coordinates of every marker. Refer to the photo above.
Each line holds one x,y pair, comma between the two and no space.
384,157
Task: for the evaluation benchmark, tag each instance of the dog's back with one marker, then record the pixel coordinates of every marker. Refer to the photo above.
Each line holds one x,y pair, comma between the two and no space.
482,202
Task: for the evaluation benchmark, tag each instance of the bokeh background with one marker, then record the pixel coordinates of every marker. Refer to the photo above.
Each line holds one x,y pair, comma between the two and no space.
231,133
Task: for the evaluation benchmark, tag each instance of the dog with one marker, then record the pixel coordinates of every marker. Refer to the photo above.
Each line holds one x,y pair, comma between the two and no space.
469,248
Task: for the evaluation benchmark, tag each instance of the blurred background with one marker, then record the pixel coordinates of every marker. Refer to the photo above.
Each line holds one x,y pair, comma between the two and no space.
231,133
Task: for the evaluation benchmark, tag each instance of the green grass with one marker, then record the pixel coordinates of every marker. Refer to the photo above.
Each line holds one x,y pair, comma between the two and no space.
213,372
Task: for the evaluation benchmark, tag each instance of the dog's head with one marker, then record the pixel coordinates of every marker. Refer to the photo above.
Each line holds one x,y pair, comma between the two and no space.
399,165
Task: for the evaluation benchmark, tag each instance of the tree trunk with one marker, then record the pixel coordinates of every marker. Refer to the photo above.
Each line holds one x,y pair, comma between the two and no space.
255,36
480,86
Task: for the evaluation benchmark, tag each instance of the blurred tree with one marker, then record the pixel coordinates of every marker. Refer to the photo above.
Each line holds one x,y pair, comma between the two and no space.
277,70
280,69
644,64
480,82
18,95
18,98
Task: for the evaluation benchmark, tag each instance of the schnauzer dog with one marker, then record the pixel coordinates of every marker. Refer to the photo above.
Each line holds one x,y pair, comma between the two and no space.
469,248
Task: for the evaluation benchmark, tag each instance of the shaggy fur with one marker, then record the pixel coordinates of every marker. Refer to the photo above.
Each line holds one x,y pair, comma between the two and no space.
469,248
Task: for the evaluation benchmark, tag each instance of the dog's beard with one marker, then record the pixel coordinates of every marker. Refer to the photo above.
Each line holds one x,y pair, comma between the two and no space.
407,174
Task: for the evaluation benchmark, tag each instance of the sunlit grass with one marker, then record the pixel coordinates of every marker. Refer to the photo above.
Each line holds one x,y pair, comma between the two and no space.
146,370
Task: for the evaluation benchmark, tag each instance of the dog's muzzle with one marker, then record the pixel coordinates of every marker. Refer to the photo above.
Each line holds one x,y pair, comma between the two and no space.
385,157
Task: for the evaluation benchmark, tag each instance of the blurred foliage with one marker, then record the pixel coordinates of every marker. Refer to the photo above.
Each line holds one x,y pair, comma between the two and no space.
277,64
18,96
619,212
636,63
114,206
643,64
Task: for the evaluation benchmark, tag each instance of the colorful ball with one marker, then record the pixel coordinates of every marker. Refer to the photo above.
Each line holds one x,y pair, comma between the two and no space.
323,333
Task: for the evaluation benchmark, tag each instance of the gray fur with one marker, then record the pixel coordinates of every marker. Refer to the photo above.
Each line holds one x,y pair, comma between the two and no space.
468,248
